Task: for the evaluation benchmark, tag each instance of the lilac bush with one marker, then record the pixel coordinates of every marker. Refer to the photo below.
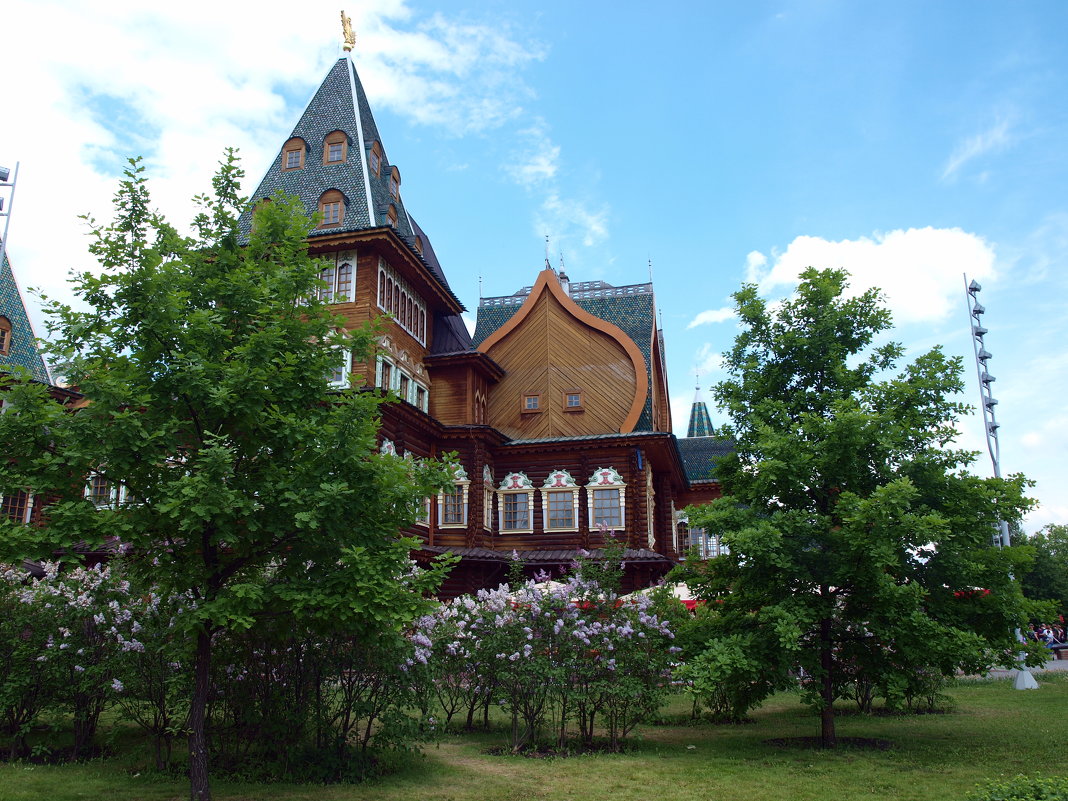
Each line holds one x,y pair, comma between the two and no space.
552,653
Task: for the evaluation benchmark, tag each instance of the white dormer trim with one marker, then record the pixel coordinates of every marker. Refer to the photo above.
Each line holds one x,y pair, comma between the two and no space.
359,138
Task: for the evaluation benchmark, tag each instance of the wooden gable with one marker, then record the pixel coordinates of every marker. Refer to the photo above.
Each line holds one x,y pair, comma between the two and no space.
551,348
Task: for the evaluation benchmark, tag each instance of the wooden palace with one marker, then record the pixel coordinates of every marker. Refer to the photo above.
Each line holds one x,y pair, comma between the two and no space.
557,406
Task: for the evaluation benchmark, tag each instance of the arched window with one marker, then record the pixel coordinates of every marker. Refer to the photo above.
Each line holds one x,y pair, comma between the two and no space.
604,496
326,293
374,159
332,208
343,293
335,148
394,183
5,336
293,154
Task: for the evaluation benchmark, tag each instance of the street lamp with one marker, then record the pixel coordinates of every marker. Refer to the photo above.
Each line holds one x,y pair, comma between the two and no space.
1024,680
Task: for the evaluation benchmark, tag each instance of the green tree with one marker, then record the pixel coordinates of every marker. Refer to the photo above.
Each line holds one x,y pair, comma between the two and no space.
859,545
1047,580
246,482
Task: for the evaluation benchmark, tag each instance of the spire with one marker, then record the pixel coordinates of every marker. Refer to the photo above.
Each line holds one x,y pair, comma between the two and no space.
18,345
335,148
700,422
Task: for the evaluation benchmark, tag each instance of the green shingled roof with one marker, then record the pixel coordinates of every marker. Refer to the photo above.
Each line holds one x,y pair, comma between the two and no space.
700,422
700,455
631,308
22,349
340,104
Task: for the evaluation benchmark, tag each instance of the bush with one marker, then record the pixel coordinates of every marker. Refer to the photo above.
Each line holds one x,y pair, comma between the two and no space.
552,655
1024,788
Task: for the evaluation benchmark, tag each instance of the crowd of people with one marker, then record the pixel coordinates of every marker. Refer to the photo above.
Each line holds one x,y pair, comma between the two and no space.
1045,633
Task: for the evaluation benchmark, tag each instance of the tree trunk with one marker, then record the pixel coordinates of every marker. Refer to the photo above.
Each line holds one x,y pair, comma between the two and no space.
827,734
199,785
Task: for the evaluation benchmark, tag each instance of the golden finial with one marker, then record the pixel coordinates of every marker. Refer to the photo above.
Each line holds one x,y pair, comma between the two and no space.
350,37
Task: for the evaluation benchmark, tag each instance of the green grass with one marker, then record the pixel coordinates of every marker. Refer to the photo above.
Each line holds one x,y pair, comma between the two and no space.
993,732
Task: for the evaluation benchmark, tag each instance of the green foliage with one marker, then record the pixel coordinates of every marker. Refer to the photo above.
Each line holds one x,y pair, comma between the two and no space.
1024,788
1048,577
859,545
248,483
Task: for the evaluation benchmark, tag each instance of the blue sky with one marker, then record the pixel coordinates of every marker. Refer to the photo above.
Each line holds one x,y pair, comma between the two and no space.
906,142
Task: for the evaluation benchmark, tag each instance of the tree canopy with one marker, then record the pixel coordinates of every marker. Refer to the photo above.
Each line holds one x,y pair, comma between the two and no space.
859,545
1047,579
239,476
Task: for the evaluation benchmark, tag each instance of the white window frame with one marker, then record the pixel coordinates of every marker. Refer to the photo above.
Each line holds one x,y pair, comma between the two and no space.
606,478
559,482
405,295
394,384
487,497
511,486
461,486
340,379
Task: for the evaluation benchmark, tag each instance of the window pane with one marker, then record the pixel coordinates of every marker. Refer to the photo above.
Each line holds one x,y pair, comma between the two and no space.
606,507
326,293
453,512
561,509
344,283
99,490
334,152
292,159
15,506
515,511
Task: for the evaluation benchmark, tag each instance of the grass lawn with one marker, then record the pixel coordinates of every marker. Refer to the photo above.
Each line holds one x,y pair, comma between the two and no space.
993,732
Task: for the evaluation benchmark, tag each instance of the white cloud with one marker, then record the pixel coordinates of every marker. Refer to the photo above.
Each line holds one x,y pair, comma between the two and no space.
540,159
995,138
712,316
709,362
919,270
755,267
120,78
568,221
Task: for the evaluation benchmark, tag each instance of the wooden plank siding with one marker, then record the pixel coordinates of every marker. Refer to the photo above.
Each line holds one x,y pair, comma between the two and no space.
549,353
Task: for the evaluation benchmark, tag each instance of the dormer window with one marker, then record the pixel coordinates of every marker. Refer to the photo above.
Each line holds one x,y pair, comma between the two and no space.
5,336
374,159
293,154
391,216
335,148
418,242
394,183
332,208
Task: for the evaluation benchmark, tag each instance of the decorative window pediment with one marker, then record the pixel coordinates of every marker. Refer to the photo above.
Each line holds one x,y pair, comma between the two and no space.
388,447
516,503
605,477
452,504
516,481
559,502
605,496
559,479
